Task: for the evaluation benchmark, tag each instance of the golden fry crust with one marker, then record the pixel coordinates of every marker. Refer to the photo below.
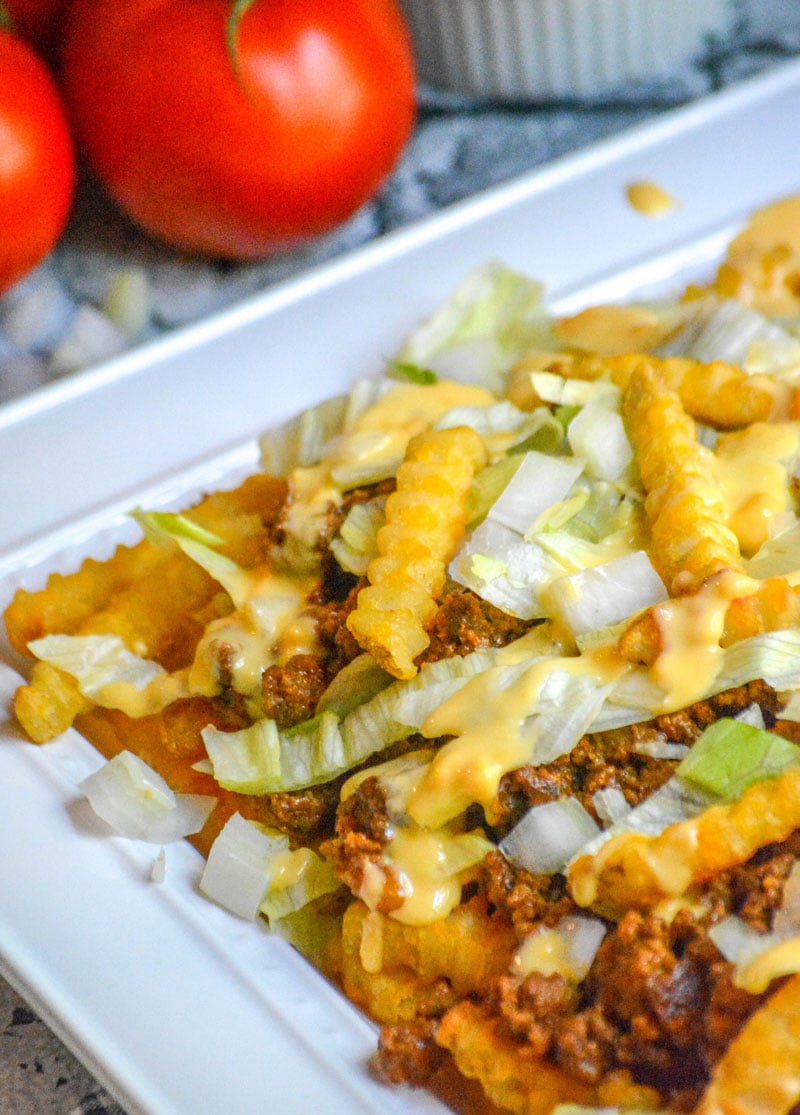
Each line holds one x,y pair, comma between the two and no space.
425,518
690,541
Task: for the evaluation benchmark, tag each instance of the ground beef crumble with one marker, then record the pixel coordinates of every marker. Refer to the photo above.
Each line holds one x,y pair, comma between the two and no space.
464,623
659,1001
611,759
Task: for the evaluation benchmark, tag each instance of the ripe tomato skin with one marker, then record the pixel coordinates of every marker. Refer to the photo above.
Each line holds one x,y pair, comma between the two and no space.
239,165
37,163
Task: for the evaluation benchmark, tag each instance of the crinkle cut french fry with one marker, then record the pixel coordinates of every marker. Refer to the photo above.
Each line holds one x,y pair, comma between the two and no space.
468,948
637,870
69,600
774,605
510,1074
47,706
425,517
690,541
717,393
759,1073
156,605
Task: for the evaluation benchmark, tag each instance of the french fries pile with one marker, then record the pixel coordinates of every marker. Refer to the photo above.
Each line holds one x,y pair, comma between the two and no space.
461,1009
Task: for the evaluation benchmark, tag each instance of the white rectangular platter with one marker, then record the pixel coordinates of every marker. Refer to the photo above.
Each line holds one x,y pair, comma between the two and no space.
178,1008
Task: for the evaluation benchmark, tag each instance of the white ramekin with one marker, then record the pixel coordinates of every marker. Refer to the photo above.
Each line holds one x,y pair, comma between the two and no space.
538,49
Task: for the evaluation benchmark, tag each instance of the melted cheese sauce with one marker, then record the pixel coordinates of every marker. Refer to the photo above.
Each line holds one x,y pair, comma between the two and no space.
691,628
650,199
610,330
413,407
488,718
753,468
371,450
268,629
418,859
763,261
782,959
155,696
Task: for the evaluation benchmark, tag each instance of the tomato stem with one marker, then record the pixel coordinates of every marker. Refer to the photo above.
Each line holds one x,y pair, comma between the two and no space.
6,19
237,12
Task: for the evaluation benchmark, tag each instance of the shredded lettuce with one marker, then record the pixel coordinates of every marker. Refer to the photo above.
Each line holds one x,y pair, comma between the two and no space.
97,662
778,556
197,544
303,441
504,427
403,706
295,879
399,369
731,755
773,656
497,308
261,759
357,541
726,329
357,682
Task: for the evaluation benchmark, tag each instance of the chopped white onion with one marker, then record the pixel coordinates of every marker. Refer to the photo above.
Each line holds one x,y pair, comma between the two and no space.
610,804
583,935
137,802
737,941
158,872
661,749
786,922
539,482
597,434
605,594
237,871
502,568
751,715
549,835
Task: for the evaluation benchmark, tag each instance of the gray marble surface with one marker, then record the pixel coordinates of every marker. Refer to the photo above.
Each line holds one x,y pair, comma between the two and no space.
458,149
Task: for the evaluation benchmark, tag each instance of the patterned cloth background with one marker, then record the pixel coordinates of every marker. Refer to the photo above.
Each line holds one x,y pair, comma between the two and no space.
55,322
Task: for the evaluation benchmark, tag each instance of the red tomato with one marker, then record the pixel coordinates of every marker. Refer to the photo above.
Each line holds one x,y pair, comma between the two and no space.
37,166
239,164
